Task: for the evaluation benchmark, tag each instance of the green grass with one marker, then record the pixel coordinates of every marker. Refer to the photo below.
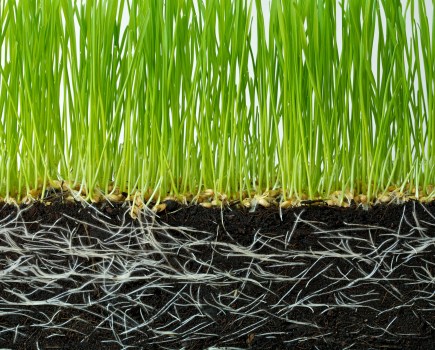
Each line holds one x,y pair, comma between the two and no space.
169,106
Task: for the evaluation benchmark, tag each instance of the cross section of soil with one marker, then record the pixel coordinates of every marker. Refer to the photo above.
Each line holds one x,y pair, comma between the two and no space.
312,277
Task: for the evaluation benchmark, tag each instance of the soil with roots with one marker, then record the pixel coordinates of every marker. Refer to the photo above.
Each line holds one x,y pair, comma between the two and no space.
312,277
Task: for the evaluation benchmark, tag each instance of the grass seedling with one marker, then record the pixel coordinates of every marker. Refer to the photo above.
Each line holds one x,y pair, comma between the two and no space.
178,101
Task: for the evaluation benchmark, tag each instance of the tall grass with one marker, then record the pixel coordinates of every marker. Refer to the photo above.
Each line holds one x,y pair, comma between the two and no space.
181,100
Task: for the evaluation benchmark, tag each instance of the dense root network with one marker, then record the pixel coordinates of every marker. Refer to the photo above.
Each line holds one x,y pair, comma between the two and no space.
134,284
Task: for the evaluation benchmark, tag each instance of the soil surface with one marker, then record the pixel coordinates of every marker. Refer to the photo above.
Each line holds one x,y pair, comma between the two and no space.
312,277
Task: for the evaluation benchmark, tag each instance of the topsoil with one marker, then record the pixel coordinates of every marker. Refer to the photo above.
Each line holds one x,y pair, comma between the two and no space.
312,277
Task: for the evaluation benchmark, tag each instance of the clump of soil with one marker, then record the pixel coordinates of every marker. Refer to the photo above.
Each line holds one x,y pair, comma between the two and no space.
75,277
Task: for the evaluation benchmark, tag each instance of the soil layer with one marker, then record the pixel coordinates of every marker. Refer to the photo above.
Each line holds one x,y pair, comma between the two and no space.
312,277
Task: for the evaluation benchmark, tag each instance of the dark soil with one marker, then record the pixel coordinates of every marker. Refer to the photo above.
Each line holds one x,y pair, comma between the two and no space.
313,277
